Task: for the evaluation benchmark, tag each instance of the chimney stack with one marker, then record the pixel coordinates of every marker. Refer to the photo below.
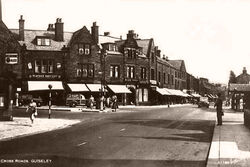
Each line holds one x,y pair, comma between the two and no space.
164,57
51,27
131,34
21,28
95,33
158,53
244,70
0,10
59,34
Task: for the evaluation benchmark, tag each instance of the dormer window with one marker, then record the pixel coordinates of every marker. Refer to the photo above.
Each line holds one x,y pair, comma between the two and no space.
113,47
41,41
131,53
84,49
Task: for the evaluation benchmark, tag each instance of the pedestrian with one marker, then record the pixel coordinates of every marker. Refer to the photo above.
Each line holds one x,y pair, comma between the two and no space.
91,102
218,105
108,102
114,103
32,110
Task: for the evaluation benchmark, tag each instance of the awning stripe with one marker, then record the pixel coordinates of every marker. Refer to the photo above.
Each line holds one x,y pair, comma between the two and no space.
43,85
119,88
94,87
78,87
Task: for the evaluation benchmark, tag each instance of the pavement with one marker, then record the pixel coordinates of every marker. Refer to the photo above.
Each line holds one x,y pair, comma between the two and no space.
231,142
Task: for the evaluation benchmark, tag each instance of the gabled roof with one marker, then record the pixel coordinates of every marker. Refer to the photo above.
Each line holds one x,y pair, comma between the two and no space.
144,44
6,36
239,87
83,35
30,36
178,64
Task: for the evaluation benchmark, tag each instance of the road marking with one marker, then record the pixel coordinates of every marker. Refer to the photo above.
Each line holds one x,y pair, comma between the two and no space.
122,129
82,143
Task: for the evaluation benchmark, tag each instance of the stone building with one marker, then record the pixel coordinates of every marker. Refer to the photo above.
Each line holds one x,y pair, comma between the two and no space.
180,74
43,58
243,78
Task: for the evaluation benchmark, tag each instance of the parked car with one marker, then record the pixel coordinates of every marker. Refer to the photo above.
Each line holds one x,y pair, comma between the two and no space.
203,102
25,100
75,99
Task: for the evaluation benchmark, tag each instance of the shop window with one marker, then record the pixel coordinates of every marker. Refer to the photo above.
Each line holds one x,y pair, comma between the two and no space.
43,41
130,72
143,73
115,71
37,66
152,74
84,70
87,70
44,66
83,49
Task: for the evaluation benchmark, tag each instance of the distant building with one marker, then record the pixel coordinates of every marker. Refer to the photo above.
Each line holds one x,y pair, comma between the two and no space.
243,78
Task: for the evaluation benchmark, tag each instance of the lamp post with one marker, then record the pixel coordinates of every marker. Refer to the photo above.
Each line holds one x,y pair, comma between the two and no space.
103,56
50,87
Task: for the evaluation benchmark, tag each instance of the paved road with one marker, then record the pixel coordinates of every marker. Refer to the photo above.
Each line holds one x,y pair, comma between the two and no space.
145,137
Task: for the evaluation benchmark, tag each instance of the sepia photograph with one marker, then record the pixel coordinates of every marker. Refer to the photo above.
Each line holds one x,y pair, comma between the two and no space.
124,83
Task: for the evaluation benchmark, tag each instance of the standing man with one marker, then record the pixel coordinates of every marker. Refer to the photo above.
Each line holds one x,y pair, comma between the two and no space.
218,105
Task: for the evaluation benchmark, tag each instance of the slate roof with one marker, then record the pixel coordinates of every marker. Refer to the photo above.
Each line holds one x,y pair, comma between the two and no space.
107,39
239,87
30,35
142,43
6,36
82,35
176,63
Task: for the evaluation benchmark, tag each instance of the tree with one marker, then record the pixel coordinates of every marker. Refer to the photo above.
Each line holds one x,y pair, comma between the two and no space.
232,77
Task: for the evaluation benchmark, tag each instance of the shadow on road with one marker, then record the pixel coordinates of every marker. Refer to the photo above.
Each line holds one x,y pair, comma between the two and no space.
204,129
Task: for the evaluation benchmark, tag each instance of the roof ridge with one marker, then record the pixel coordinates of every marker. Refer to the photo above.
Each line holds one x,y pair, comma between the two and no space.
37,30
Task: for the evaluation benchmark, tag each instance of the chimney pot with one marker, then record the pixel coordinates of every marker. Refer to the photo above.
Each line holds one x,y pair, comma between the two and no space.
59,33
95,33
21,28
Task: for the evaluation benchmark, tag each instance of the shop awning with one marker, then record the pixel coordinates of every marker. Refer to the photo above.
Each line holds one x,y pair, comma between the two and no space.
162,91
196,95
175,92
94,87
78,87
119,88
43,85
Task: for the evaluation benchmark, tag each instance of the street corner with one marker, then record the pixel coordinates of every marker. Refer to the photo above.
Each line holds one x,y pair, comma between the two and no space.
22,126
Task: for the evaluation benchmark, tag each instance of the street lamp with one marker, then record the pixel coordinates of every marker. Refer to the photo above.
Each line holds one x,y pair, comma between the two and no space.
50,87
103,56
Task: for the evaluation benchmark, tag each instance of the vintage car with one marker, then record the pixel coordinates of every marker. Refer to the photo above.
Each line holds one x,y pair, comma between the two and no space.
24,99
203,102
75,99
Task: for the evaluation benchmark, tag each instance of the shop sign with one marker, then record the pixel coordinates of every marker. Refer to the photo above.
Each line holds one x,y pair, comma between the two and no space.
11,58
45,76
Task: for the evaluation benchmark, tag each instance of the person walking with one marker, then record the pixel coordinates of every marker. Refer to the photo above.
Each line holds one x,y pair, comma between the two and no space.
91,102
218,105
32,110
114,103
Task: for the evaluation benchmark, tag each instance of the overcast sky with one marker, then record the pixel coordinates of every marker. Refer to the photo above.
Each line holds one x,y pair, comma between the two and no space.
211,36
